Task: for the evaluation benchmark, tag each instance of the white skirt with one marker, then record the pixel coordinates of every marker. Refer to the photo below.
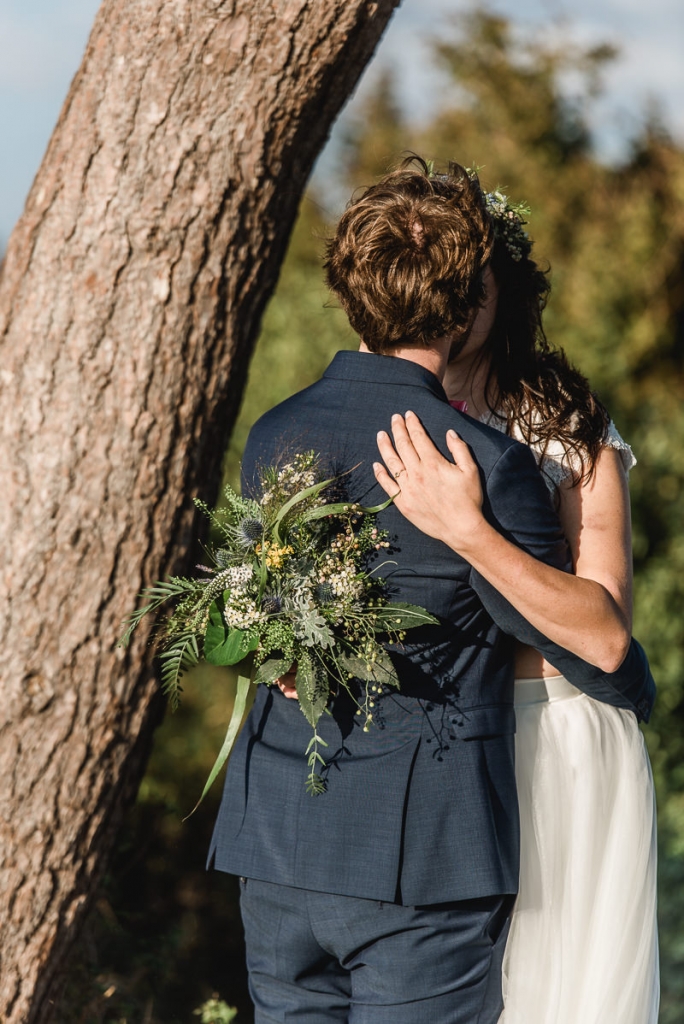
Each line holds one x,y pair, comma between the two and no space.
583,945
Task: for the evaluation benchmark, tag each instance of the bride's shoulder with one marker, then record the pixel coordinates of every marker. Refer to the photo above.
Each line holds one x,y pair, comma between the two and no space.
614,439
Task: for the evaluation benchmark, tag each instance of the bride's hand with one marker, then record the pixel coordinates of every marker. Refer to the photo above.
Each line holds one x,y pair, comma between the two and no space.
441,498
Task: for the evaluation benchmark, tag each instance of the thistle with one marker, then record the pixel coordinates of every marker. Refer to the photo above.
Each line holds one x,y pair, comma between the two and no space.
250,531
272,604
325,593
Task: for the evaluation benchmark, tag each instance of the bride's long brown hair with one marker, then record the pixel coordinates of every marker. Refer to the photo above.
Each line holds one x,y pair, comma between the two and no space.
531,384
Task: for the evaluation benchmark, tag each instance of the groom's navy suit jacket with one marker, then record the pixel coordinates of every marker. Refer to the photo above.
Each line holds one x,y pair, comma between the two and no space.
422,808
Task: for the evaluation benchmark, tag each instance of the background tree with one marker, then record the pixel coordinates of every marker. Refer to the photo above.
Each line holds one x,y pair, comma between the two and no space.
130,297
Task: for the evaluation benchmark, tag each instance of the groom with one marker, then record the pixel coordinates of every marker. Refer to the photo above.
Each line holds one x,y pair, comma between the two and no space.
385,900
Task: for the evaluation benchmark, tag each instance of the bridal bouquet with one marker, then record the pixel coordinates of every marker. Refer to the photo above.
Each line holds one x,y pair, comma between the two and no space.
289,583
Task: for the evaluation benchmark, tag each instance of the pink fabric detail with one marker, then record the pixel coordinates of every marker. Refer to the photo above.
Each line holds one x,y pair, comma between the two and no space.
461,406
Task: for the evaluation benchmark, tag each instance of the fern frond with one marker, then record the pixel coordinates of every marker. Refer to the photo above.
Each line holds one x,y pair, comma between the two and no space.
176,660
161,591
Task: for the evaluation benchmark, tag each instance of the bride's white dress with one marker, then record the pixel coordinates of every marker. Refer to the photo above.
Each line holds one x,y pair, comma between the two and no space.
583,944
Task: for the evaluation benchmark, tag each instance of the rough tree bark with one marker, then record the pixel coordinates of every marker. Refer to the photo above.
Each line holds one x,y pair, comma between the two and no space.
129,302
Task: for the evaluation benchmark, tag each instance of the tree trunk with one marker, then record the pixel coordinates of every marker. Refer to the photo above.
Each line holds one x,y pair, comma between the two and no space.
129,302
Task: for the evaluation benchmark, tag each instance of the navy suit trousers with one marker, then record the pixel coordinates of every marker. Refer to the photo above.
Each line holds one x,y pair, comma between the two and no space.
316,958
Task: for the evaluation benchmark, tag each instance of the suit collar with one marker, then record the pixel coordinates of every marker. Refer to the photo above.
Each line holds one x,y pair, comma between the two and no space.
375,369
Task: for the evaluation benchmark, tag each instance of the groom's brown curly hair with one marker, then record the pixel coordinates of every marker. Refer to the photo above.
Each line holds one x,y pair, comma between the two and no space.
406,260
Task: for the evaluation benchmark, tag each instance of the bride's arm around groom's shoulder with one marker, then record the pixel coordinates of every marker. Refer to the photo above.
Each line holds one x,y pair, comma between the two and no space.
511,524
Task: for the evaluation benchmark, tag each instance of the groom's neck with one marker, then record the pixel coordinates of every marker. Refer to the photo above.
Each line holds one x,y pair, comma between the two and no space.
433,358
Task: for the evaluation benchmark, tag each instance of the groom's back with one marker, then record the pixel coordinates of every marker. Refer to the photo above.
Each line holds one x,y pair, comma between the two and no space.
435,772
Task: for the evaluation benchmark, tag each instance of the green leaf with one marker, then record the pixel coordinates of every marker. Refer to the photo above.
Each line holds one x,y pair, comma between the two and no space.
372,510
313,689
315,784
215,1011
343,506
272,669
379,671
235,648
313,743
225,646
335,509
402,616
310,626
243,684
263,572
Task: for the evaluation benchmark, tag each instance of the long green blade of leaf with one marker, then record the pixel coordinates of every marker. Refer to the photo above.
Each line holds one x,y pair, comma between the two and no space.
241,692
344,506
307,492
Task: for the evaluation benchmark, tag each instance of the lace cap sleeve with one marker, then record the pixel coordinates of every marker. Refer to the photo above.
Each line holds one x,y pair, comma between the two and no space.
557,463
614,440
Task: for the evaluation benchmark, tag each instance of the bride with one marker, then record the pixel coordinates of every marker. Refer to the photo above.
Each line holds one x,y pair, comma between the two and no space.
583,945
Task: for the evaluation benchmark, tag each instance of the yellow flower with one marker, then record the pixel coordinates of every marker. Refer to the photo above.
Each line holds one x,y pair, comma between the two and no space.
274,554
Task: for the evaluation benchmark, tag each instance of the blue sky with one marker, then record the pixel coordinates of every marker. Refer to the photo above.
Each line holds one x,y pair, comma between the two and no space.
42,42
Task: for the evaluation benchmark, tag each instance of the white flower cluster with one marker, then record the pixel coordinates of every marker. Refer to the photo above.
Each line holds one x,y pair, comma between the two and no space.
291,479
281,483
240,610
508,224
343,581
241,613
297,477
238,575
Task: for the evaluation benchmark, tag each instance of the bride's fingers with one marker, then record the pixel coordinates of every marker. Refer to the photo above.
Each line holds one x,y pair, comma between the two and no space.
403,443
460,452
391,459
387,482
420,439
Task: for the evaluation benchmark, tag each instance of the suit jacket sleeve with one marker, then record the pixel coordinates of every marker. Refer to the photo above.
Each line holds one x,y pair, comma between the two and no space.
518,505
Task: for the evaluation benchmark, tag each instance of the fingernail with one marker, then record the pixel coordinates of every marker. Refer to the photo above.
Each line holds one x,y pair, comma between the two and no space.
376,467
409,413
452,433
381,434
395,417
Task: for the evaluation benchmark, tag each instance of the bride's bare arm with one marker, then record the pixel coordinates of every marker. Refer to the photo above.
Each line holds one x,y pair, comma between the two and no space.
588,614
597,524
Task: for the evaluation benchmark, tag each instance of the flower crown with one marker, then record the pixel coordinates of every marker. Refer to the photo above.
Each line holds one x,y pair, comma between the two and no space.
508,219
